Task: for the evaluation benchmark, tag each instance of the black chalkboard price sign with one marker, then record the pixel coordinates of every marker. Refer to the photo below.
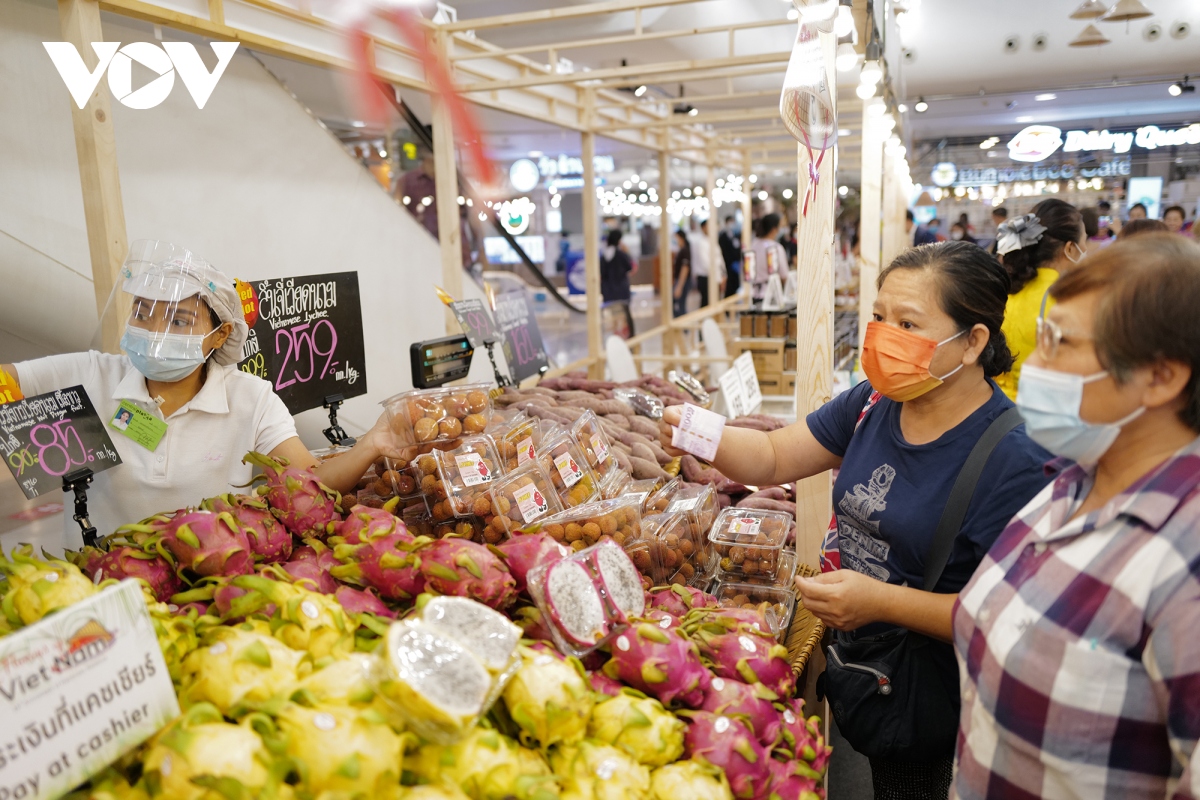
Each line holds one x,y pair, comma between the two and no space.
476,321
523,347
45,437
306,337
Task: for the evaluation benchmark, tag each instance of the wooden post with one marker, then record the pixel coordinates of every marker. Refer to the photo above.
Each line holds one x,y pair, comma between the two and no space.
714,227
890,240
747,223
591,258
870,223
96,150
446,197
665,282
814,329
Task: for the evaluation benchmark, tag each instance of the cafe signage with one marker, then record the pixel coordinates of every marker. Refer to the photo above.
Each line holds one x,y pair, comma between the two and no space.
1038,142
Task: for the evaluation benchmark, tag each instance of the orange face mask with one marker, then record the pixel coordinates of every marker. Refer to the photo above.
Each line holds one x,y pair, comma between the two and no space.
896,361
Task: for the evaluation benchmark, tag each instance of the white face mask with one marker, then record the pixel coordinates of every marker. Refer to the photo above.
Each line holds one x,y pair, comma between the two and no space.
1050,401
956,235
1075,261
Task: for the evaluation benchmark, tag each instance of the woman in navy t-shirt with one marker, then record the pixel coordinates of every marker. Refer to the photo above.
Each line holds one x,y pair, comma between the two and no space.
900,441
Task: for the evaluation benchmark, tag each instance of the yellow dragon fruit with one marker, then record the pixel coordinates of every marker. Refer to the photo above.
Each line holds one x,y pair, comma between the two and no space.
108,785
239,669
595,771
444,791
691,779
343,681
302,620
549,697
487,765
177,635
37,587
200,756
640,726
343,750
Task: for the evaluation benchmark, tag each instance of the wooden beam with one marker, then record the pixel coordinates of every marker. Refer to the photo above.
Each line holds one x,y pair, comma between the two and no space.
664,242
870,221
680,120
692,75
446,197
558,14
591,257
705,98
634,71
99,177
747,224
714,249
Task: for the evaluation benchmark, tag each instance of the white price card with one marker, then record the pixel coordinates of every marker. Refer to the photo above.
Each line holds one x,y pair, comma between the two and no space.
753,394
78,690
731,389
699,432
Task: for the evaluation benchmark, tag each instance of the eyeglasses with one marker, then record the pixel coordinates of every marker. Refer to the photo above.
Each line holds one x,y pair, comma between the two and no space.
1050,336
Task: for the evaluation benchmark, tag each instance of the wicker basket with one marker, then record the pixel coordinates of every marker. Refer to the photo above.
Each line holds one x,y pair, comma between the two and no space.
806,631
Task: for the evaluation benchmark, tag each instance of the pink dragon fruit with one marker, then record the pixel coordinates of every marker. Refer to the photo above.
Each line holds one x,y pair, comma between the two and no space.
533,626
679,600
128,561
312,565
605,685
463,568
661,663
663,619
793,780
208,543
362,601
269,540
523,552
225,599
304,505
801,738
742,647
193,609
374,549
750,703
729,745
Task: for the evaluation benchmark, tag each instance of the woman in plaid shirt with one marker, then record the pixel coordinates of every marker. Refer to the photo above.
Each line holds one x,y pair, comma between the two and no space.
1078,637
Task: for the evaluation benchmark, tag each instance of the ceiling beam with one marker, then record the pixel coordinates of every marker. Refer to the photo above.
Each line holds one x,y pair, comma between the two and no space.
738,115
696,76
557,14
703,98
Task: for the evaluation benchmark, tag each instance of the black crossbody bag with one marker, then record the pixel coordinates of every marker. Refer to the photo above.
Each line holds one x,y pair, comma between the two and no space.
895,695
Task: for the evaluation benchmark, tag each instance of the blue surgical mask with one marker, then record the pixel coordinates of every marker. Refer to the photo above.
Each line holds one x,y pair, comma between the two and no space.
1050,401
163,357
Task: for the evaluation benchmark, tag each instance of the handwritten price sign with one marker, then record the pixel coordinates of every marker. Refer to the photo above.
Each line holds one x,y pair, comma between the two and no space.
307,338
476,321
523,347
43,438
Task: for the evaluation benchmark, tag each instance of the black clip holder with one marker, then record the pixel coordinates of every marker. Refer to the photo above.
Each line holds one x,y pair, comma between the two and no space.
335,433
77,481
502,380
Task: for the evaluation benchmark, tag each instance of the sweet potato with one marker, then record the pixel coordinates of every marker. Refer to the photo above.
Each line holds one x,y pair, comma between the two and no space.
769,505
620,420
642,468
645,427
771,493
624,460
643,451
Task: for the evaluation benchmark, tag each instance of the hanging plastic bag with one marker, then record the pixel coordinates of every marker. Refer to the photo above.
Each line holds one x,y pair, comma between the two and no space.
806,104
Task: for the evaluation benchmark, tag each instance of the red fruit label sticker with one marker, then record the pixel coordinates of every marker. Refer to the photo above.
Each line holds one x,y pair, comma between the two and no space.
745,525
525,451
530,502
599,448
568,470
473,469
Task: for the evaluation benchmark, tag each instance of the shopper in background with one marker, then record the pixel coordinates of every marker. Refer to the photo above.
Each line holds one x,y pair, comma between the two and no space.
1035,249
1141,227
1137,211
965,223
769,256
418,190
999,215
1174,217
615,266
899,441
787,238
1097,237
681,273
928,233
704,260
958,233
1110,224
731,252
1077,636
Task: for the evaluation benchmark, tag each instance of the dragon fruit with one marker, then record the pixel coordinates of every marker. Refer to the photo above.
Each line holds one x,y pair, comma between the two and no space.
621,578
176,634
794,780
270,542
694,780
374,549
663,619
343,681
525,551
486,765
572,603
492,636
207,543
595,771
802,738
602,684
128,561
532,624
342,750
750,703
311,565
729,745
37,587
741,646
549,698
640,726
304,505
302,620
363,523
661,663
239,669
679,600
440,791
362,601
463,568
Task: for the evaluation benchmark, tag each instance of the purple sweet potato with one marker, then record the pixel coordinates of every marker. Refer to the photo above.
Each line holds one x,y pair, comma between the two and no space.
643,468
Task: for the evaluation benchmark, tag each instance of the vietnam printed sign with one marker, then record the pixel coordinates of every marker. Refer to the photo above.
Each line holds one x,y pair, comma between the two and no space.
165,60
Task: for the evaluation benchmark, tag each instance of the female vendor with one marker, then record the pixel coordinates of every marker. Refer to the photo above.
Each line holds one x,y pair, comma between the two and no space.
182,339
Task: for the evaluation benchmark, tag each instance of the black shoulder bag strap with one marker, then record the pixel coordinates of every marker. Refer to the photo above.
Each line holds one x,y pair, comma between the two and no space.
960,496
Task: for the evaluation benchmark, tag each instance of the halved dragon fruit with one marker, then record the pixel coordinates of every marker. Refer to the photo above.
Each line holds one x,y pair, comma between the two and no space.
574,605
493,638
621,578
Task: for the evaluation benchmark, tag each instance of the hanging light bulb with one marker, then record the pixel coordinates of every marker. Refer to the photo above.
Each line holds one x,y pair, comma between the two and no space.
844,24
886,123
872,72
865,91
921,106
876,107
847,58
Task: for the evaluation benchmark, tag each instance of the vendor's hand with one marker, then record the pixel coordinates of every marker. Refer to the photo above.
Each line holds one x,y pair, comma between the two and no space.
843,600
671,416
381,441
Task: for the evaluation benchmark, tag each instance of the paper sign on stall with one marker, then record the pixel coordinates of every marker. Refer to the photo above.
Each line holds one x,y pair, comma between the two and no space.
731,389
78,690
744,364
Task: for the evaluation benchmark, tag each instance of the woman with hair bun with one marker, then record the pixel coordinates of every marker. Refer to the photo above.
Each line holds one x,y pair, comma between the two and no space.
1035,249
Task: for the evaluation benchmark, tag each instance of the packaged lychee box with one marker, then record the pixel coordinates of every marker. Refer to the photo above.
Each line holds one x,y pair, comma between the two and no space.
658,500
446,413
780,600
585,525
594,442
677,554
616,485
748,543
467,472
642,490
517,440
588,597
563,460
521,497
698,502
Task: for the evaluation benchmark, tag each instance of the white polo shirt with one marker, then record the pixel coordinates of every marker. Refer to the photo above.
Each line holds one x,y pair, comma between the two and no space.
200,455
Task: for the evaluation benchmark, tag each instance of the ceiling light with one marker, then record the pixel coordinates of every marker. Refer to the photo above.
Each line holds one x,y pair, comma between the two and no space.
762,195
876,107
358,124
693,111
844,25
793,14
847,58
843,131
886,123
872,72
753,178
1126,10
921,106
843,191
634,178
865,91
639,91
1089,37
1041,98
1090,10
383,153
787,194
902,108
1181,87
1024,119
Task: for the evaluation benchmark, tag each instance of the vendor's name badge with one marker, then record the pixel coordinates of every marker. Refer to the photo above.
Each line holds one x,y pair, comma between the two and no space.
78,690
139,425
699,431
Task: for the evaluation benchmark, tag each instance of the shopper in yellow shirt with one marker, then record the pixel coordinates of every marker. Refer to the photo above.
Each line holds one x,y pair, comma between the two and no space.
1035,249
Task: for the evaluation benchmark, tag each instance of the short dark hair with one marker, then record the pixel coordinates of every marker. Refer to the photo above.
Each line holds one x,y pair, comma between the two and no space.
973,291
767,224
1091,221
1140,227
614,237
729,218
1149,292
1063,224
1000,211
908,215
1104,206
1169,209
1142,206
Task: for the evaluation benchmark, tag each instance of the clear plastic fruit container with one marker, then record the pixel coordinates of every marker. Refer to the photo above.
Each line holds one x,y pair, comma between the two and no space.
563,460
583,526
781,602
747,543
594,443
588,597
615,485
658,500
446,413
677,555
417,520
699,503
642,490
466,472
463,528
517,441
520,498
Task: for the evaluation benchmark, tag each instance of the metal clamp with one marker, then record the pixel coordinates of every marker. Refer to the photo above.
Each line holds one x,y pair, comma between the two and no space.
77,481
502,380
335,433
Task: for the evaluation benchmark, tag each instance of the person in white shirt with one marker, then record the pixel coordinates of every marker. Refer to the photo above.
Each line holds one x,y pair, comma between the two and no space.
703,257
183,336
769,256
